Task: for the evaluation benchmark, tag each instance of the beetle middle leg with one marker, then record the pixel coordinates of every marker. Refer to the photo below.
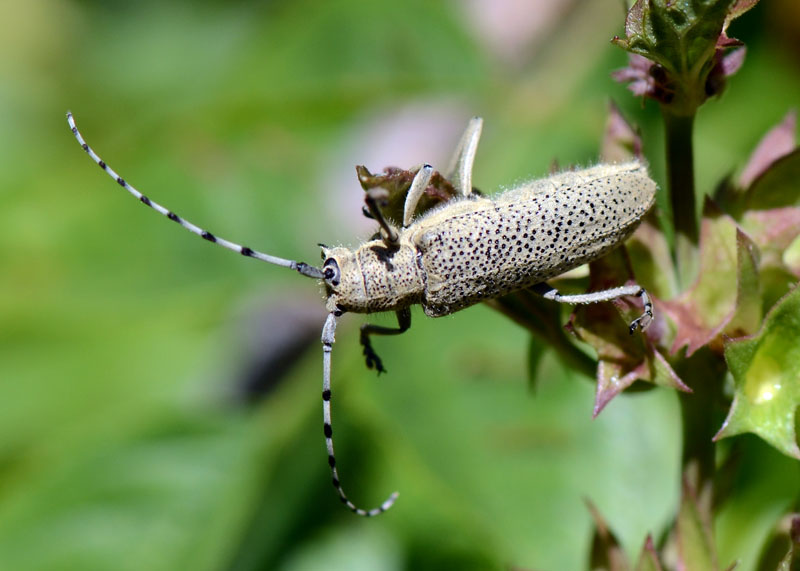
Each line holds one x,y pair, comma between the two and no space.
403,323
642,322
373,198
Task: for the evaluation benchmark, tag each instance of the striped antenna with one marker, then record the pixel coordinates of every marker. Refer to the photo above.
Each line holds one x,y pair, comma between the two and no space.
328,331
302,268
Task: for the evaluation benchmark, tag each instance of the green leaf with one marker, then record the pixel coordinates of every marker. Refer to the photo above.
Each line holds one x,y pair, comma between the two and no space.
781,550
739,7
648,558
681,38
791,255
791,562
747,316
725,299
777,186
766,372
536,351
694,535
651,259
606,551
778,142
776,232
621,141
622,358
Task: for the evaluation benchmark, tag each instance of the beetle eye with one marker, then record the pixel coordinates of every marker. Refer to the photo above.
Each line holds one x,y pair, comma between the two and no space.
330,271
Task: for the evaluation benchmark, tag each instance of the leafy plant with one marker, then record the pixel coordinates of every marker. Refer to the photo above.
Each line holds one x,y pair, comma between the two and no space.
727,331
123,340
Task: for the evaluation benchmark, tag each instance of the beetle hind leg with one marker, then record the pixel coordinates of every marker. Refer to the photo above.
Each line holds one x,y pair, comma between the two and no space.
645,319
642,322
373,360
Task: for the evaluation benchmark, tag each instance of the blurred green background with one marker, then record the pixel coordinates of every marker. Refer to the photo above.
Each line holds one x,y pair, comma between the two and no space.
160,397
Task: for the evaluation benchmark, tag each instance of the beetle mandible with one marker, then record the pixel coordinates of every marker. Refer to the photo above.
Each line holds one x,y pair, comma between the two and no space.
465,251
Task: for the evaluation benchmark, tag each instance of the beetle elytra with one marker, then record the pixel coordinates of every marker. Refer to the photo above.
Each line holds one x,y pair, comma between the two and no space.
465,251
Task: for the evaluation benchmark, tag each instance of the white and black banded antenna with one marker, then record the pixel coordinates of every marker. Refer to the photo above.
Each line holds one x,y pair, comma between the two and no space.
328,331
304,269
301,267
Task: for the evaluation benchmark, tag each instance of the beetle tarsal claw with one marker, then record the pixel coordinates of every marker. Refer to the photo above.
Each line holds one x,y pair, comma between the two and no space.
373,360
642,322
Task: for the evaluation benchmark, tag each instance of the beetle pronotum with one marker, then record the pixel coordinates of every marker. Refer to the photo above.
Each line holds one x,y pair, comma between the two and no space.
468,250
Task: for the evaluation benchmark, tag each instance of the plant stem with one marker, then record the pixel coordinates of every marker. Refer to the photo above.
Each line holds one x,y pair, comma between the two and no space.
699,415
680,183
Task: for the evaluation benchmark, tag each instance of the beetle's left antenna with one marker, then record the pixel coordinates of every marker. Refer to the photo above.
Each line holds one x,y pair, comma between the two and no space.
302,268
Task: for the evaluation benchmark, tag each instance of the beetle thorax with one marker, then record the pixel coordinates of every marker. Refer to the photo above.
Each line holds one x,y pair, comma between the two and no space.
373,278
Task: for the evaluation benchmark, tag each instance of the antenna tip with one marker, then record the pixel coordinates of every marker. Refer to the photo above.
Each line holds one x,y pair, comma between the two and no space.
389,501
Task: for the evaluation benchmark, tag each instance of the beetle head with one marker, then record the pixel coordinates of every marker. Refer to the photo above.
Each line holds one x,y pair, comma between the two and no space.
344,284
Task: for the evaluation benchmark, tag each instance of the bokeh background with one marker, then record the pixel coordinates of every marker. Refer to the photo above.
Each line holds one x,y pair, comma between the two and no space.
160,397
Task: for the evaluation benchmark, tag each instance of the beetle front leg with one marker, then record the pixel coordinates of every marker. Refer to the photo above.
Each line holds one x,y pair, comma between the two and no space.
403,323
373,198
642,322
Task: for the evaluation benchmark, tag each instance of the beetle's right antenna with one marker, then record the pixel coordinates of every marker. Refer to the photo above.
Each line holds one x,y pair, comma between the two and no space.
302,268
327,346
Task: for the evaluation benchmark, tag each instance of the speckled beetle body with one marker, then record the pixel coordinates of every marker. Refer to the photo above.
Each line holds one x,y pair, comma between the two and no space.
476,248
468,250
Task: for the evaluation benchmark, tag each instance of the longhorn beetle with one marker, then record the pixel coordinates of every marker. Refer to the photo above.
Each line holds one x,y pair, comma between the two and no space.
467,250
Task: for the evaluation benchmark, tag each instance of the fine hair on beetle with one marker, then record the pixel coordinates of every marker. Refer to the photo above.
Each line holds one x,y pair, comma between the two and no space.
470,249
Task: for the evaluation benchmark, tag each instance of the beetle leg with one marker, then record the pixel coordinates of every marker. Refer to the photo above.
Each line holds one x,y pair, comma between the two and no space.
403,323
415,192
642,322
373,198
460,171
